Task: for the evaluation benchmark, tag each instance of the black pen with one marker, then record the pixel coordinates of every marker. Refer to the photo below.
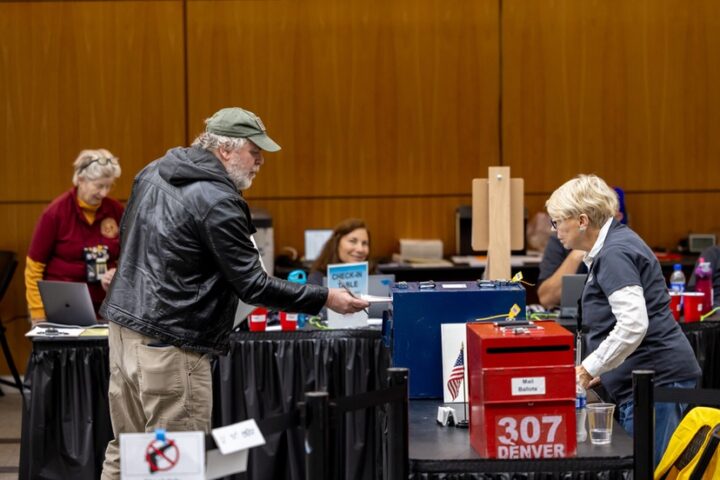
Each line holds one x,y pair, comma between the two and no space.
353,295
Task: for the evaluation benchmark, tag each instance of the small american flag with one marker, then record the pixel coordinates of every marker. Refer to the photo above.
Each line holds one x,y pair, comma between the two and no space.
456,375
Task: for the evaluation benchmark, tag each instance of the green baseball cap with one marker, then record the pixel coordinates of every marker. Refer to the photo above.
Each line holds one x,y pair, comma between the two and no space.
238,123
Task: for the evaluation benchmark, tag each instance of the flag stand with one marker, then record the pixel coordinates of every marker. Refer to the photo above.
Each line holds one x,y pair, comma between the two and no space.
464,422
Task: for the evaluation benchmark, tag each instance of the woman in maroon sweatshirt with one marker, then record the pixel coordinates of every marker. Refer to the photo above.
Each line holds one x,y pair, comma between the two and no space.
76,238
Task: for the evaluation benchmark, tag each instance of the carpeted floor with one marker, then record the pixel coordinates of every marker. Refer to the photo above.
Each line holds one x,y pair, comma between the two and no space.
10,423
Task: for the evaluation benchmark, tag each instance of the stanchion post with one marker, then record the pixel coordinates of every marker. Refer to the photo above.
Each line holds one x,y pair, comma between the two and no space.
317,436
398,430
643,426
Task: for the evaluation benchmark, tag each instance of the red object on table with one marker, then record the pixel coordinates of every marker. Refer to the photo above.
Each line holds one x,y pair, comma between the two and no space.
257,320
676,304
522,391
694,306
288,321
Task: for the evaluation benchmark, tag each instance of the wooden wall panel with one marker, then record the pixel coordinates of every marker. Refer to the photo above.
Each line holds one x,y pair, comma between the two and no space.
77,75
385,110
622,89
388,219
366,97
662,219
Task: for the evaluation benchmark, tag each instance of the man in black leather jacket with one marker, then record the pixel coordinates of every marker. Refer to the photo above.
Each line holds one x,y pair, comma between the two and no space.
186,257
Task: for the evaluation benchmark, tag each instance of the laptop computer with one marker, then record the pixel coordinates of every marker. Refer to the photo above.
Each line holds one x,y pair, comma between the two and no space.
572,288
379,286
67,303
314,242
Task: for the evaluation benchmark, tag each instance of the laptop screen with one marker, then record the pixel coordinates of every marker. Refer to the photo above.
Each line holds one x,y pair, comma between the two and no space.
379,286
67,303
572,287
314,242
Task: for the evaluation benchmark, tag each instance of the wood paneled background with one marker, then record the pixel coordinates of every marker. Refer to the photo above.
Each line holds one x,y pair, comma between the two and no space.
385,109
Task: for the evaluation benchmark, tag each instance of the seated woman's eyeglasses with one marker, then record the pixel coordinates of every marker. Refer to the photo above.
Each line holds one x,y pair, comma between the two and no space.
101,161
554,223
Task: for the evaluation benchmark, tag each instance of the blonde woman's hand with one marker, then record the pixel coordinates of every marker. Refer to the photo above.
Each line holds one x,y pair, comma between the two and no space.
107,278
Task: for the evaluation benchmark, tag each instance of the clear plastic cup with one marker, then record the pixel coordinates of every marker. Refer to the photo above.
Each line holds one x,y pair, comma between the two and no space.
600,420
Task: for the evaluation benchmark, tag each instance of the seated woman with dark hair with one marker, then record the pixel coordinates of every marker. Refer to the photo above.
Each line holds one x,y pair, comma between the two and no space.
349,243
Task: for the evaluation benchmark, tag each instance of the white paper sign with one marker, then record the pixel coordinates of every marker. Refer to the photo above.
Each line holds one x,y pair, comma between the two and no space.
527,386
238,436
181,456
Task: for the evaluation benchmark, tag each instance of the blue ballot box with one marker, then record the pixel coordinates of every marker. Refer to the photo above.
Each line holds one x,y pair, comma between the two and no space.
418,310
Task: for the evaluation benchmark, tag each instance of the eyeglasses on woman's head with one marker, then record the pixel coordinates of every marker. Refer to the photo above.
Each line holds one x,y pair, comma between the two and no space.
100,161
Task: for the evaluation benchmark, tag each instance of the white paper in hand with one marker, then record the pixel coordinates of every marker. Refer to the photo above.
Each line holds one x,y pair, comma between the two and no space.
376,299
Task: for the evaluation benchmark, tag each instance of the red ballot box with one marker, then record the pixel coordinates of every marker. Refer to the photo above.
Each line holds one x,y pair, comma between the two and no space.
521,390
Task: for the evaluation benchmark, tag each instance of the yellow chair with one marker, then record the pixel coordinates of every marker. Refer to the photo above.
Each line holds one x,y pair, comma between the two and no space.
692,452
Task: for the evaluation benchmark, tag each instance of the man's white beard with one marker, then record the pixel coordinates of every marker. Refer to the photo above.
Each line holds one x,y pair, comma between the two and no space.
241,181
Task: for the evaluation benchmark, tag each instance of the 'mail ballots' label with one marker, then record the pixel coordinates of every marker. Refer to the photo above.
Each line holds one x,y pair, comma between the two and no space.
527,386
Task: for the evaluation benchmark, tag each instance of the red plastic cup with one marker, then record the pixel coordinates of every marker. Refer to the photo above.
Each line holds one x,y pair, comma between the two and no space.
693,306
676,304
288,321
257,320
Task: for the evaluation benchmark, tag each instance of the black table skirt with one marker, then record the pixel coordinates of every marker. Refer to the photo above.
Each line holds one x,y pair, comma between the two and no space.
704,338
66,420
66,424
568,472
266,374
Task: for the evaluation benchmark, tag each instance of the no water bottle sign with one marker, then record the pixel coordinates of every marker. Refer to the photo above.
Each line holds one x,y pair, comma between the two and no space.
162,456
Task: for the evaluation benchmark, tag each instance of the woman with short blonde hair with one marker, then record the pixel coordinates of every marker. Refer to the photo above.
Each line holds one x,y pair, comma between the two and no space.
625,304
585,194
77,238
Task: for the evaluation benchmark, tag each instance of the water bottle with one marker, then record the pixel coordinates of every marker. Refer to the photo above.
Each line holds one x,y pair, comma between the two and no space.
677,282
580,413
703,283
677,279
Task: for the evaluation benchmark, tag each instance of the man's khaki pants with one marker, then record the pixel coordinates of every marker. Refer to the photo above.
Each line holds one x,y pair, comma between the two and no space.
153,385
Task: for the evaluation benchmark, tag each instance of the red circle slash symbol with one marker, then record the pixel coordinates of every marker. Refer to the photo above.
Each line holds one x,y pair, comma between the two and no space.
162,456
